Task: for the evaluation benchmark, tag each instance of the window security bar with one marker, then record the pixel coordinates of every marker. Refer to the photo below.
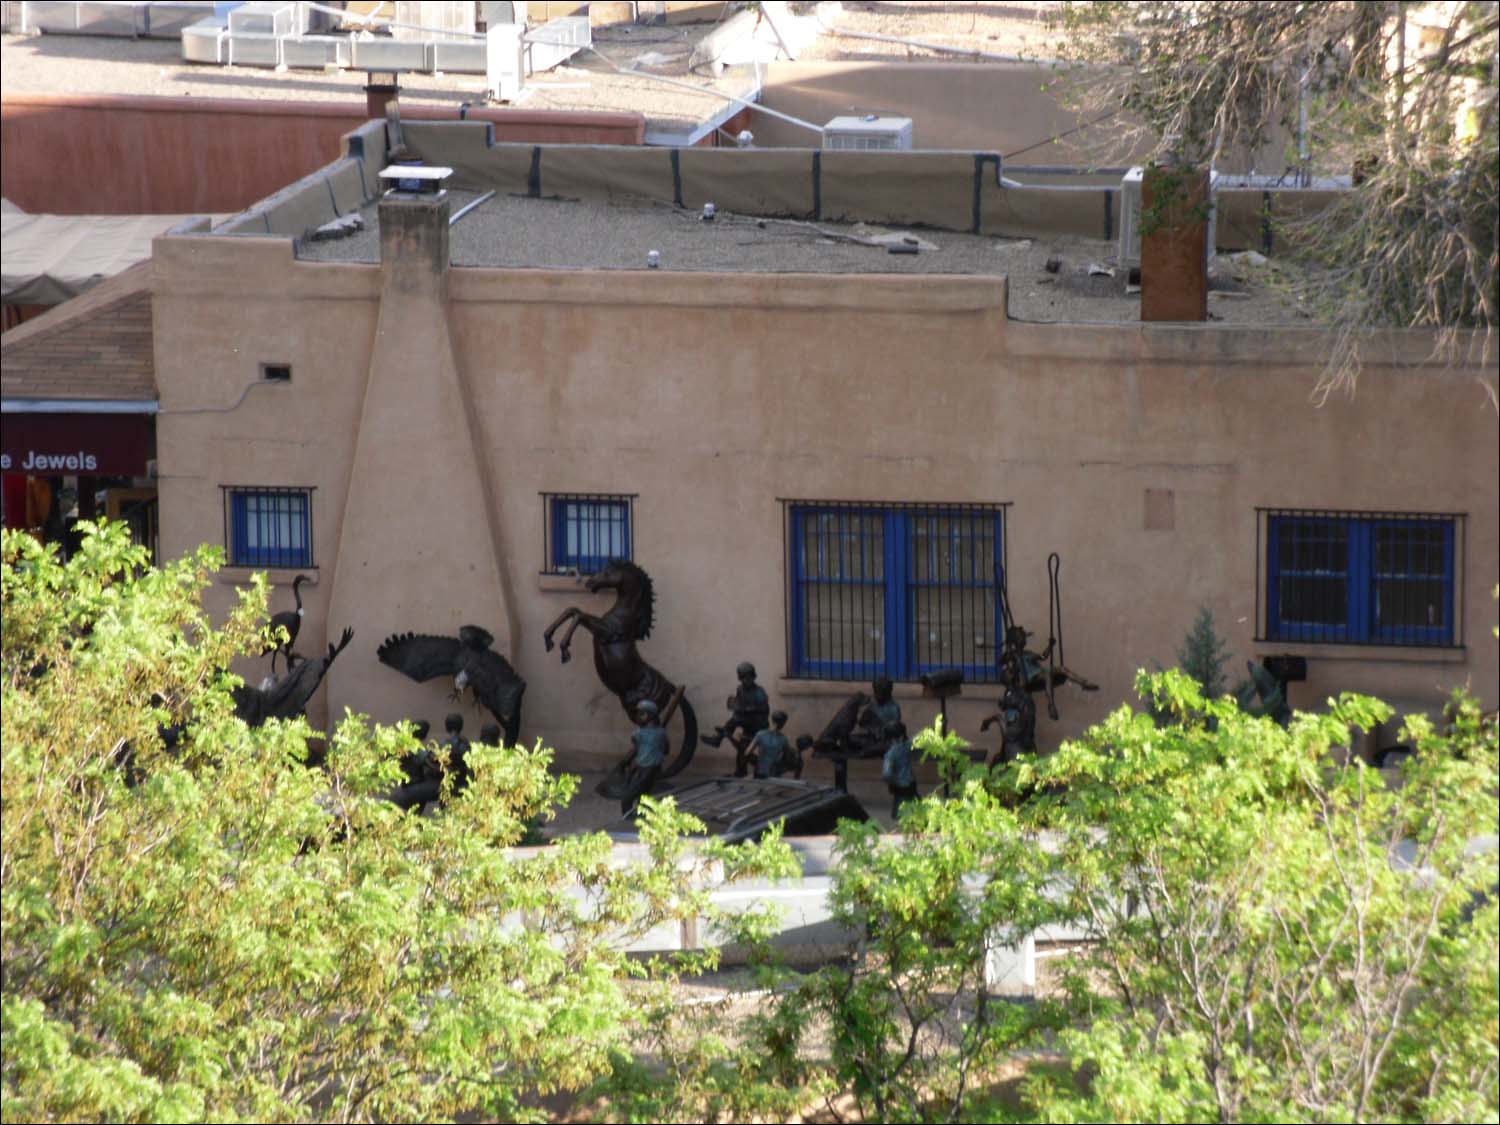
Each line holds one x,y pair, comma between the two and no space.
1361,578
897,590
268,527
582,531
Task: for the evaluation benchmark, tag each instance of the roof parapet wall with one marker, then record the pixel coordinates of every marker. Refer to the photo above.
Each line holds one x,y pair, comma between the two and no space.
333,190
959,191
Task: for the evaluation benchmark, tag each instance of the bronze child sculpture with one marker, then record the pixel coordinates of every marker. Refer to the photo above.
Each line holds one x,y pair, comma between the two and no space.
1017,719
772,751
896,770
876,722
648,750
749,714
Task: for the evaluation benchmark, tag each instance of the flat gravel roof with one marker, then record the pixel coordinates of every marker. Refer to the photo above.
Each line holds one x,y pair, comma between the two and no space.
516,232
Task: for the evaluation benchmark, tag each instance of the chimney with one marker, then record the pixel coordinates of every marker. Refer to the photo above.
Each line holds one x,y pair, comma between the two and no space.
1175,250
414,225
418,409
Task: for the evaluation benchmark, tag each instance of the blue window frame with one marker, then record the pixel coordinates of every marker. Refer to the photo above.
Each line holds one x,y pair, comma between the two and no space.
269,527
1362,578
586,530
895,590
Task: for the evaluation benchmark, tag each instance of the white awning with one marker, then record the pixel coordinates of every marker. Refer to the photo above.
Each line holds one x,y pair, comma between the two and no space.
45,259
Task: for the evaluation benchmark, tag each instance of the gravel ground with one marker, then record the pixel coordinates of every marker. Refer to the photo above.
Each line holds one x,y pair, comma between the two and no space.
514,232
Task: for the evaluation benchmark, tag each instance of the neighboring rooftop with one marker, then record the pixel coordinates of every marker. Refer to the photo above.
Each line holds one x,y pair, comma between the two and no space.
76,64
95,346
590,81
79,65
939,31
523,233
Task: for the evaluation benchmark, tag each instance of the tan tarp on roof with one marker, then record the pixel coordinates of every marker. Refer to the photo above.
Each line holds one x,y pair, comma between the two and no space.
46,259
98,346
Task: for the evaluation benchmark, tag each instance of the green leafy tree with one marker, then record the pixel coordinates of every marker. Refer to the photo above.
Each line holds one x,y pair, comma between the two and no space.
1272,934
215,930
1277,935
907,1027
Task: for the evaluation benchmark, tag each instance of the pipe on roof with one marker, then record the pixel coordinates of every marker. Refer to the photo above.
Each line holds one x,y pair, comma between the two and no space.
79,406
818,129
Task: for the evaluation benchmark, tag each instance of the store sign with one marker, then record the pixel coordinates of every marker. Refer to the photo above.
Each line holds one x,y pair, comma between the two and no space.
46,445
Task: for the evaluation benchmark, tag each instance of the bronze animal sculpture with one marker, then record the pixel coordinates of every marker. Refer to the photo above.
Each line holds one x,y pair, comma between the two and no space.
835,742
287,697
291,621
835,736
617,660
471,662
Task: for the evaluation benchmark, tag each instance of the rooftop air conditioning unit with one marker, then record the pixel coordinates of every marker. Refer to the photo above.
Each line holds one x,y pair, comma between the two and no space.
315,51
206,41
869,132
1130,216
264,17
505,60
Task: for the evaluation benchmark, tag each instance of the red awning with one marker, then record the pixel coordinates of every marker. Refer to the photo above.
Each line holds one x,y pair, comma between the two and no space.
106,445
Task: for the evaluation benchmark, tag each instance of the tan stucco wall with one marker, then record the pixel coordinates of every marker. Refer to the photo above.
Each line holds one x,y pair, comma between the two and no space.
713,396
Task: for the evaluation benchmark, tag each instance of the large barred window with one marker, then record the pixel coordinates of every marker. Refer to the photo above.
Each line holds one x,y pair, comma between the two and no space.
893,590
1367,578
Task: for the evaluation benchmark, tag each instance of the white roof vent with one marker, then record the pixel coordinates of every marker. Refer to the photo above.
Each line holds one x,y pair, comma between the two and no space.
415,179
870,131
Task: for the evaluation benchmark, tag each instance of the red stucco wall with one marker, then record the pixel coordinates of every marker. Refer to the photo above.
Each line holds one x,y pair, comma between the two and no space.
125,154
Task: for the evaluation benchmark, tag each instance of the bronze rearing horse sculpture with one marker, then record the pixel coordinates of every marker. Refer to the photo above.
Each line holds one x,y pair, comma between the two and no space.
616,658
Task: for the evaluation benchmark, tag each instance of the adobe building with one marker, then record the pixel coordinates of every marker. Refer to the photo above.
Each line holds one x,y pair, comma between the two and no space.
818,443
